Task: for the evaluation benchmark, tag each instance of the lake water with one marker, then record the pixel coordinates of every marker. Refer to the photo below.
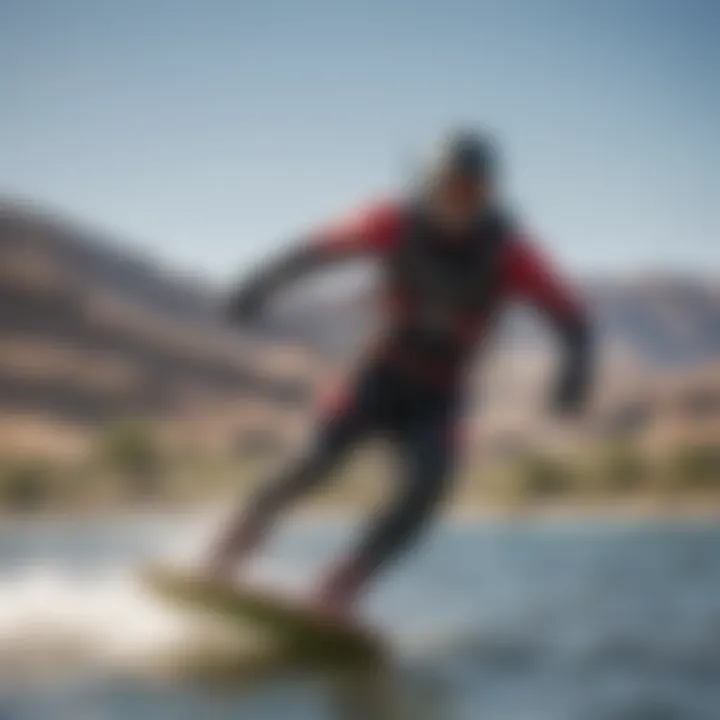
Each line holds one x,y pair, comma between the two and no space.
504,621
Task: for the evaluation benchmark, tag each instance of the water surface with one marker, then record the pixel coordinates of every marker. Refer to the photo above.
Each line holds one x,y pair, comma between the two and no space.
506,621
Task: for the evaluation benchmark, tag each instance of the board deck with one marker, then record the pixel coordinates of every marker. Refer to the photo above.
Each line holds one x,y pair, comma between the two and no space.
290,621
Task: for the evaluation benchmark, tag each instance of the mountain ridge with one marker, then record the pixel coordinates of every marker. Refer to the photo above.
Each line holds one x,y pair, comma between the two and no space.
63,283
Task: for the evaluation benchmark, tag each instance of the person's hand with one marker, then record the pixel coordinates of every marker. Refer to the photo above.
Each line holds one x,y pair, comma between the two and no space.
244,306
567,401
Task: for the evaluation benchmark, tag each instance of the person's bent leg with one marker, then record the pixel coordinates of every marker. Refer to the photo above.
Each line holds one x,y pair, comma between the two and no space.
428,457
303,476
339,433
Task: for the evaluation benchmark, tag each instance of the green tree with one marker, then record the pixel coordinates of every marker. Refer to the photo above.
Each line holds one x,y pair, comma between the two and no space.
697,465
544,476
129,448
26,484
622,467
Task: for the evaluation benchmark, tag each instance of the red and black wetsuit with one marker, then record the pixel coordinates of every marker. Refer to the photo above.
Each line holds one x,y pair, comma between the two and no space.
439,298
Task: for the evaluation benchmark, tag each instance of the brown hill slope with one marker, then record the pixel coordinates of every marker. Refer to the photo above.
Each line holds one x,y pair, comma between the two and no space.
89,332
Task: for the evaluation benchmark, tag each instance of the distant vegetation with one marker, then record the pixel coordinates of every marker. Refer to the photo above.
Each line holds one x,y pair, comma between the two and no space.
131,453
27,484
129,467
697,466
545,476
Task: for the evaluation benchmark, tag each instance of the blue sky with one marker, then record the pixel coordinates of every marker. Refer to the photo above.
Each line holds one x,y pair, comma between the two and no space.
212,131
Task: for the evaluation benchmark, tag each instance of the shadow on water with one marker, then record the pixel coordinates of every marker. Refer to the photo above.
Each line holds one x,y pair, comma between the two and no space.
388,695
380,691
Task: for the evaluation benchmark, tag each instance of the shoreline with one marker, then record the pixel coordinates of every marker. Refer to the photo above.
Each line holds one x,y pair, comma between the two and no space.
637,509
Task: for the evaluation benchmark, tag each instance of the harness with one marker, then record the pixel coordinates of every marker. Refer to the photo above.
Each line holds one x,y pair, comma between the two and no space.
440,293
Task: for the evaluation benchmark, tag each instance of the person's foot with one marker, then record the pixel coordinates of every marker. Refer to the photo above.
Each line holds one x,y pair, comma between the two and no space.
338,594
336,609
218,567
231,549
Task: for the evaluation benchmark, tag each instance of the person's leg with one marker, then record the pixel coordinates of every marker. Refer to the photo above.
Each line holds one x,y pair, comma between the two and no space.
339,432
428,448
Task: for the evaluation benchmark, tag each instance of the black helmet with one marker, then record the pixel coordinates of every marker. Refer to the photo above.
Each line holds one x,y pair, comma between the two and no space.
465,153
459,184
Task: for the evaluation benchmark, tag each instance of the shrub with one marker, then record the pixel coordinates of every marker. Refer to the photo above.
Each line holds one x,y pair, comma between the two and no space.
26,484
697,466
130,450
622,467
543,476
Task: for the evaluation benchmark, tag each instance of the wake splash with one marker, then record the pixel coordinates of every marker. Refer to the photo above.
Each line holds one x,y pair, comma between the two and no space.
50,618
53,621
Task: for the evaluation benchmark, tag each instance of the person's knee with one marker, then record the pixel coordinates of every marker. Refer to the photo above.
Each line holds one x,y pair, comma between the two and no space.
422,506
431,474
427,489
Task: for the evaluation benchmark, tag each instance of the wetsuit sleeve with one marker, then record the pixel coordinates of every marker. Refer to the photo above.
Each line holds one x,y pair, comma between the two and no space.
530,277
368,233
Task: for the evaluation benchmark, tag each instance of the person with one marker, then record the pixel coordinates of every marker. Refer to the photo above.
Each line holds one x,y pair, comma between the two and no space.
450,258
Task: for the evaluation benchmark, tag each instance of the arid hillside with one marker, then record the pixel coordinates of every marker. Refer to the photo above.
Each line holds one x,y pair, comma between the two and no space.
90,333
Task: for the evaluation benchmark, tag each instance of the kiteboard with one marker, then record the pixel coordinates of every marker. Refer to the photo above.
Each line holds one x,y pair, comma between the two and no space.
300,629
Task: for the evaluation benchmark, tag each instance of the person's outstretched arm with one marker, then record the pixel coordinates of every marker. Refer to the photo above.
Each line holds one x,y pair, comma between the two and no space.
368,233
530,277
